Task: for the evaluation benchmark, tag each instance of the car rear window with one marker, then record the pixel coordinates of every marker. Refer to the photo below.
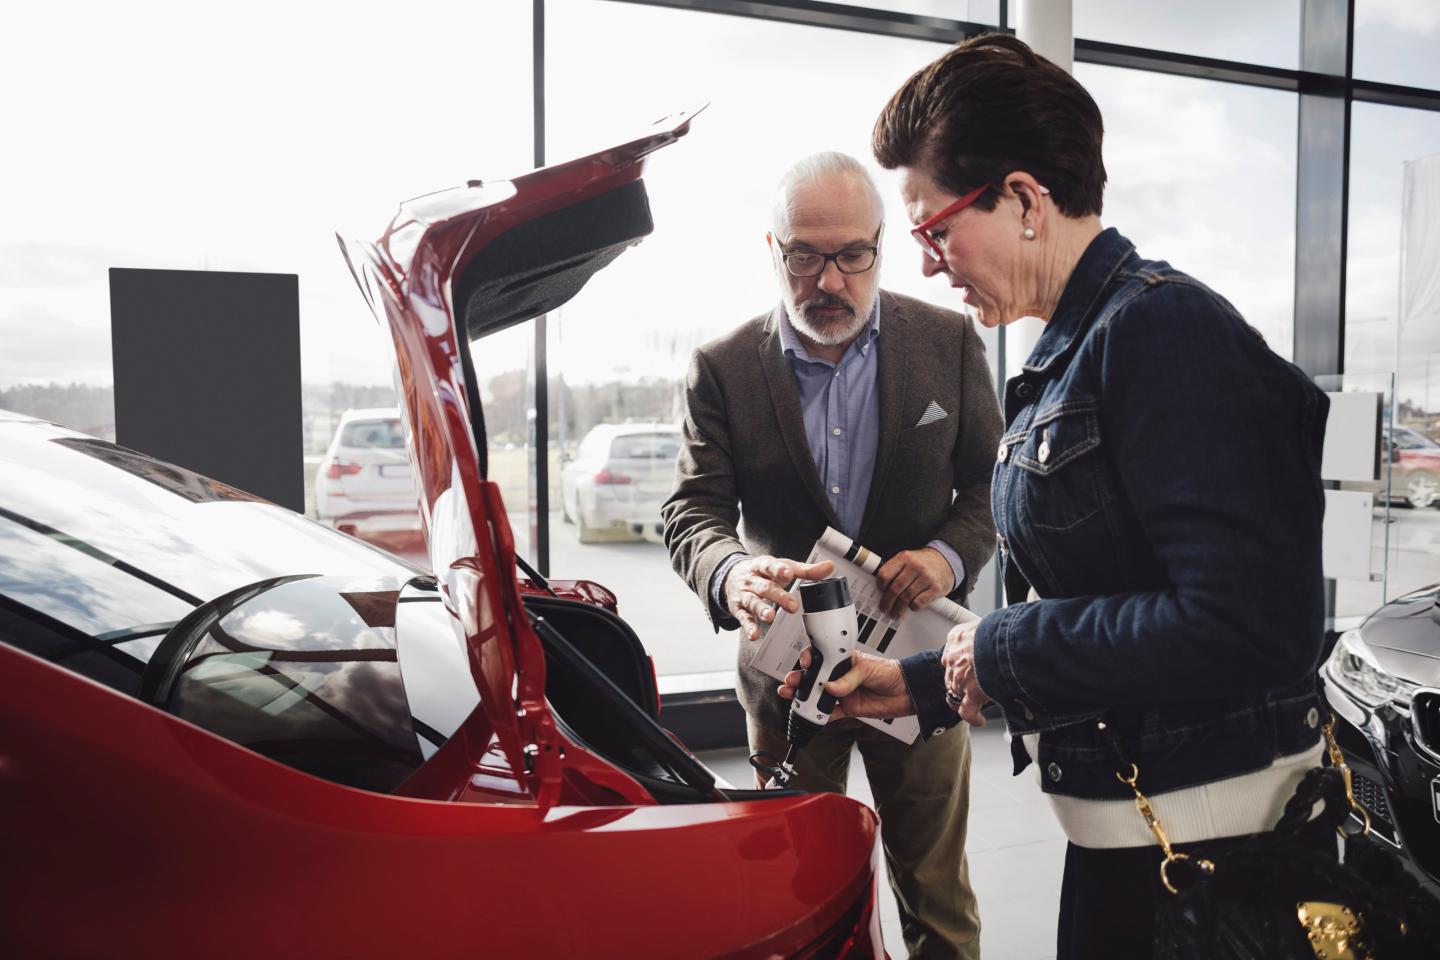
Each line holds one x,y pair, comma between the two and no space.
306,672
373,434
646,446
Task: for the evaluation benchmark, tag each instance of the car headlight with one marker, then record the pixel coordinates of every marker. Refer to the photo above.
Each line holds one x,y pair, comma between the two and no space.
1353,665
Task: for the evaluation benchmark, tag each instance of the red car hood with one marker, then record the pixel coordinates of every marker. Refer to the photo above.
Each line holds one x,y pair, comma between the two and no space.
452,267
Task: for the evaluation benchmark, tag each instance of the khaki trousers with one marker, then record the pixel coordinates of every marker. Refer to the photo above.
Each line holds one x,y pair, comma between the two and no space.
922,793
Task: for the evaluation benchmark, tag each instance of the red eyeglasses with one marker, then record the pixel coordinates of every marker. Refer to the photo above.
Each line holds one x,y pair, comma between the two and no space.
921,232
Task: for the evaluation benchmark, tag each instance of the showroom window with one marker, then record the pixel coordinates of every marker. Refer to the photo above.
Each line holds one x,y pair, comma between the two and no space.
1396,40
1237,30
776,92
170,151
1202,174
251,155
1393,271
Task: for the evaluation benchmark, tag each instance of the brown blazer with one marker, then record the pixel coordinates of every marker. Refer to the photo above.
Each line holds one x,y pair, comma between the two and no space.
745,480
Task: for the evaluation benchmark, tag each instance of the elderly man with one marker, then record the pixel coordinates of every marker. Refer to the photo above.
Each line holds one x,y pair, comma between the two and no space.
873,413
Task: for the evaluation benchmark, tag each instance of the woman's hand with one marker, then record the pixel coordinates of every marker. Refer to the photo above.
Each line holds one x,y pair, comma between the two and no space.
962,689
874,687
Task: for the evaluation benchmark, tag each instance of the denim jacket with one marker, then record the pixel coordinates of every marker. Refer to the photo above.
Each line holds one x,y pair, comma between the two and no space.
1158,484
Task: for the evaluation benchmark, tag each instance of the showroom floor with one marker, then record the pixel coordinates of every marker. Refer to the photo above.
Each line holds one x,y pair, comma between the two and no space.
1015,847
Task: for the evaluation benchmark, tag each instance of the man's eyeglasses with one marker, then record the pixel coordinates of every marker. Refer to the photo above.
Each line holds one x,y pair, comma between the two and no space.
803,263
921,232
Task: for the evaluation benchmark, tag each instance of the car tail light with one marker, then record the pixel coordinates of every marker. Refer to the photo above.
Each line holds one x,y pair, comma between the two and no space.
605,476
337,470
849,938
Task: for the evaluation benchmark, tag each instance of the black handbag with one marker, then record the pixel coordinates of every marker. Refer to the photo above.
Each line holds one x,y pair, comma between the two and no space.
1279,896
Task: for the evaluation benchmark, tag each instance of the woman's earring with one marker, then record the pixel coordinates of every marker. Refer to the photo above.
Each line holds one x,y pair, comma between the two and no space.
1029,233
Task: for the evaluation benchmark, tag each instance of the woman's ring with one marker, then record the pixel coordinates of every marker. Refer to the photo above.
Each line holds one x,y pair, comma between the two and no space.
952,699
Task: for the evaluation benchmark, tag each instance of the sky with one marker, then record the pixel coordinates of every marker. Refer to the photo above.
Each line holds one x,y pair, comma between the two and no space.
184,136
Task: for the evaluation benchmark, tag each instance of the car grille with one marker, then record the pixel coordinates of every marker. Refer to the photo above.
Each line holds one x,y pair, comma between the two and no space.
1372,797
1425,718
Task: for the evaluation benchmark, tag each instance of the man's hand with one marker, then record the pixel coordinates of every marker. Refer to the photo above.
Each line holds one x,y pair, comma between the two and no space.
912,578
962,689
874,687
755,586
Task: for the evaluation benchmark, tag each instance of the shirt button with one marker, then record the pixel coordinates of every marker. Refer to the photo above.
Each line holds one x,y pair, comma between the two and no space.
834,489
1043,453
1025,390
1312,719
1054,771
1003,453
837,431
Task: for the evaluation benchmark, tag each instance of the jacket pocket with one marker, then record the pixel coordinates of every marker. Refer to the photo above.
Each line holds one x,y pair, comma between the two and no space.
1057,470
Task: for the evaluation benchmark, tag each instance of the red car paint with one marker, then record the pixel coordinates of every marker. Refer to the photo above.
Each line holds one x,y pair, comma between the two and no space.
129,832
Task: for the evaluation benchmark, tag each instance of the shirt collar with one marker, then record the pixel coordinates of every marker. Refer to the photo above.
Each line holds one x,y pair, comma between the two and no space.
1077,302
793,347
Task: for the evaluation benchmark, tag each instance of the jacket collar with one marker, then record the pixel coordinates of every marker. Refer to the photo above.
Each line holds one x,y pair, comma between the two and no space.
1080,297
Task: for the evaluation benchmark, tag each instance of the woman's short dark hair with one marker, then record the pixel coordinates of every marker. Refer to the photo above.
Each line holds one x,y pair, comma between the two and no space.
992,106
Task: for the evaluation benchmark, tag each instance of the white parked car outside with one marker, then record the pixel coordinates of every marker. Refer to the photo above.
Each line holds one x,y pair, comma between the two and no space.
620,476
363,486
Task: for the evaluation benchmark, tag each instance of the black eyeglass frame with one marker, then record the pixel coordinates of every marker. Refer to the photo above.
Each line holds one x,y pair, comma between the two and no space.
828,258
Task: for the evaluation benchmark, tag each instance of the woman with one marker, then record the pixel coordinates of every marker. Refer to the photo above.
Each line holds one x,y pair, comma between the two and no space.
1156,492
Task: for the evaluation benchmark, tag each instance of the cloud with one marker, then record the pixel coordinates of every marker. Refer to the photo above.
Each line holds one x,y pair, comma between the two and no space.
1410,16
52,264
39,345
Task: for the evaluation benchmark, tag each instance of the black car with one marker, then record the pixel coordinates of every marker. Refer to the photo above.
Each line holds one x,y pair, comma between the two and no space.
1383,682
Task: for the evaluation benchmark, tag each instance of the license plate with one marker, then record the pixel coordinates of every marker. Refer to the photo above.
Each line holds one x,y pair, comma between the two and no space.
1435,798
395,470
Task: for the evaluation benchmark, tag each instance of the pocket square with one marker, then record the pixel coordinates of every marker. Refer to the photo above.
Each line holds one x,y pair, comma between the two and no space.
932,413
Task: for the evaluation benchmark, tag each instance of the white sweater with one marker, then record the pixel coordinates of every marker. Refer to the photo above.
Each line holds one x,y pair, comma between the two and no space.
1248,803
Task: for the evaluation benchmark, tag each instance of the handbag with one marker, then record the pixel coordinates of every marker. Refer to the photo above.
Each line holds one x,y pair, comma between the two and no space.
1275,896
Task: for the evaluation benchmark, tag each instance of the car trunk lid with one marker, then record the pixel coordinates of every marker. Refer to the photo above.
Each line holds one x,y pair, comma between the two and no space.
451,268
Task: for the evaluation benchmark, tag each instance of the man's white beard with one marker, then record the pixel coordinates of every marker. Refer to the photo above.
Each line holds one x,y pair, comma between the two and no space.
833,332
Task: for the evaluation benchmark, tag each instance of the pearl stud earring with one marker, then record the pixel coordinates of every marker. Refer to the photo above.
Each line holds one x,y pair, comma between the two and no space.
1029,233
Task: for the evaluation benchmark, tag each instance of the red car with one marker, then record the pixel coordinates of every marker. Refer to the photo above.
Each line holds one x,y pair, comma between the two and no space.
228,731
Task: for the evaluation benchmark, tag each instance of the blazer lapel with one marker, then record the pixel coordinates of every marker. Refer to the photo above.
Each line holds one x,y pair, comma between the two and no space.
785,396
893,373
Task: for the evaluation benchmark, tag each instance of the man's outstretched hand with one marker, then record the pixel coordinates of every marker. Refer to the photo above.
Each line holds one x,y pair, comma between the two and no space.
756,586
874,687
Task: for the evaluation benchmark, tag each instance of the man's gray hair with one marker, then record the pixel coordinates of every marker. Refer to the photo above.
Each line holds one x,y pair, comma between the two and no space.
815,167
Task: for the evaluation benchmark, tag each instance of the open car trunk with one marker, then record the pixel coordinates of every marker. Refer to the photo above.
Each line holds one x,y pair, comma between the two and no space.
453,267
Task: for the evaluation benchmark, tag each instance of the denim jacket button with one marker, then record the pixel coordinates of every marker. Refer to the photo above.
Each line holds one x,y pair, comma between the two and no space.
1003,453
1312,719
1054,771
1043,453
1025,391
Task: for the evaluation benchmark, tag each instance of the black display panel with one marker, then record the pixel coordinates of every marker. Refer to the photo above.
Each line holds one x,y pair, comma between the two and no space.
207,375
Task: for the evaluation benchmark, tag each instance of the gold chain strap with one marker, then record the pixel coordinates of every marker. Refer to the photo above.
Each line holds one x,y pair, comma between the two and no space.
1142,803
1337,760
1147,811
